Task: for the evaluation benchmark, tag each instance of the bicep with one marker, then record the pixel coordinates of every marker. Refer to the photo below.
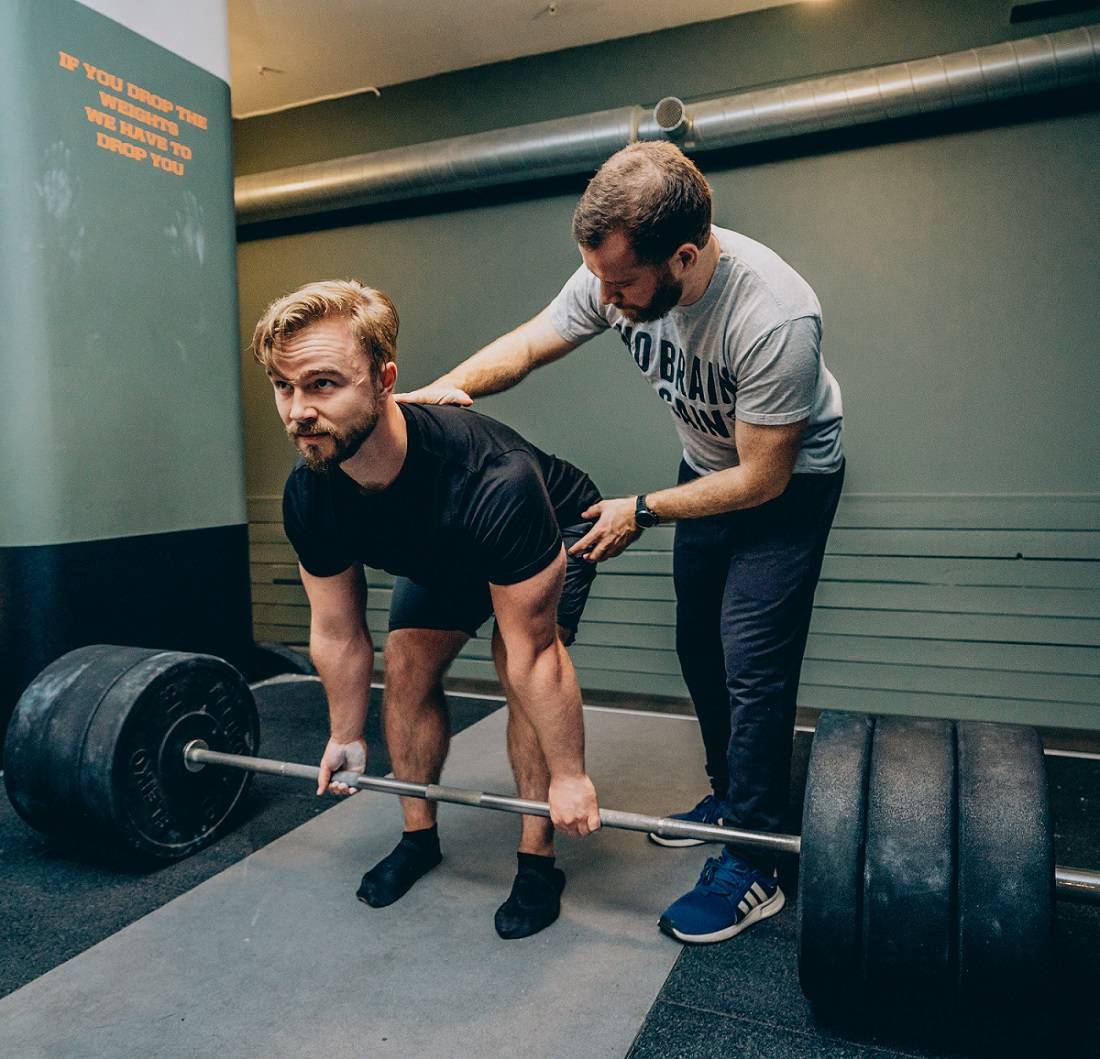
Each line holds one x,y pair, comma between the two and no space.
338,603
543,342
769,451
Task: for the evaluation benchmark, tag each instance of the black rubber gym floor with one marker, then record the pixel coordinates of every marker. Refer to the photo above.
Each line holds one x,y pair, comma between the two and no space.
737,999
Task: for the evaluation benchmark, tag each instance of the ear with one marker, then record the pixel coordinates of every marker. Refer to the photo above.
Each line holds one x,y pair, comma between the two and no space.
686,257
388,378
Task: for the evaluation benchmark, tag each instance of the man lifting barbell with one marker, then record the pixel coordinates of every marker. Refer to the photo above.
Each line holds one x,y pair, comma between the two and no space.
471,518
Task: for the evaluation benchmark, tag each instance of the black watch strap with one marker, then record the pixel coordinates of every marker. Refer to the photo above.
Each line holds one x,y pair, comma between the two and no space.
645,518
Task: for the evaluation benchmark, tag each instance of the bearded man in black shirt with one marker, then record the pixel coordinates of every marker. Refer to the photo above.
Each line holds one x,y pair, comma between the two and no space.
471,518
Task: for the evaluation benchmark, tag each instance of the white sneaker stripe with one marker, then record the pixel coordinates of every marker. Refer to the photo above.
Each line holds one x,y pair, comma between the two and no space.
752,899
743,907
759,891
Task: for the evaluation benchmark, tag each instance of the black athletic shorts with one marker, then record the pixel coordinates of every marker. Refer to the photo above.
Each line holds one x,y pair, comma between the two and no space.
467,605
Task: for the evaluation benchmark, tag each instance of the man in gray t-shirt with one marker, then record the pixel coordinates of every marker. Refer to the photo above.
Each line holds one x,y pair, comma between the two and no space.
729,336
748,349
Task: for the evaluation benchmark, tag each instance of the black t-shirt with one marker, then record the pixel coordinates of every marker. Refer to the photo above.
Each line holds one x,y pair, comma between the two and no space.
474,501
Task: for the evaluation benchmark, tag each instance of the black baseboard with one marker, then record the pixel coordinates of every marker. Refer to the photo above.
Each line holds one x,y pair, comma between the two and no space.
186,591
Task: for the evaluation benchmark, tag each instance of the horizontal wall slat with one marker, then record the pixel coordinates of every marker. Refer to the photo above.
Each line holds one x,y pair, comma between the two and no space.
265,509
270,573
1024,573
1053,513
956,599
273,553
976,683
1078,632
895,569
998,600
992,573
1082,632
290,635
266,533
992,544
1012,658
961,707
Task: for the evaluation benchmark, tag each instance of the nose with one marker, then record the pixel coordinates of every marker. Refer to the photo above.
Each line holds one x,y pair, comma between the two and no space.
300,409
607,296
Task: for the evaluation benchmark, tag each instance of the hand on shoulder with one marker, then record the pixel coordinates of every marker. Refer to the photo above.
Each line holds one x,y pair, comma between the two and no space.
435,393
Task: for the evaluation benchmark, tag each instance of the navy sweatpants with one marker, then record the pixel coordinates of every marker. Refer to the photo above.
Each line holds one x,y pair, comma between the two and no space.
745,584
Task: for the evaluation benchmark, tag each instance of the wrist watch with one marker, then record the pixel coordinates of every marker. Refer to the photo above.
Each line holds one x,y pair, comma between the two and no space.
645,518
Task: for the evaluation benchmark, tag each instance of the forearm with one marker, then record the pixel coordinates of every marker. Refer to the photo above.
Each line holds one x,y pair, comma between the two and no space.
503,363
496,367
346,667
733,489
545,684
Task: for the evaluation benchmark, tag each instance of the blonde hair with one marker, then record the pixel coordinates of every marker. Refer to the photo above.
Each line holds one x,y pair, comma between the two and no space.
370,314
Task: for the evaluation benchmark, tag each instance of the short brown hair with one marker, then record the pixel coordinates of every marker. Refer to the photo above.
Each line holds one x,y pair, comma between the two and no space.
370,314
651,192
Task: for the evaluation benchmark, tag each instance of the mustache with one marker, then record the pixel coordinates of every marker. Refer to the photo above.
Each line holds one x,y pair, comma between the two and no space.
298,430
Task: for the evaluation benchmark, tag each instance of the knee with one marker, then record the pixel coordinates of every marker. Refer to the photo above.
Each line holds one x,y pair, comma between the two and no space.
410,671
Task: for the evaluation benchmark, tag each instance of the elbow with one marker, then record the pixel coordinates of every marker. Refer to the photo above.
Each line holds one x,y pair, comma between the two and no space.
771,484
776,488
760,492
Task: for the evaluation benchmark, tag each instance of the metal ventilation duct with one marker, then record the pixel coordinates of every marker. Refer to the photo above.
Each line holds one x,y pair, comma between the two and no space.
580,144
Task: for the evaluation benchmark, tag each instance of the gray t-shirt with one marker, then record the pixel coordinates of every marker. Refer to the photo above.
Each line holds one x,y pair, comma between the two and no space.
749,348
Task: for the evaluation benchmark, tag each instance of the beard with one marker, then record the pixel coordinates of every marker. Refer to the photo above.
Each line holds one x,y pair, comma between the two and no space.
344,443
665,297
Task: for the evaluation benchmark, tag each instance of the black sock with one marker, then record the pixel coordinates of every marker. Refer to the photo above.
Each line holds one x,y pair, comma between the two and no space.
536,862
426,840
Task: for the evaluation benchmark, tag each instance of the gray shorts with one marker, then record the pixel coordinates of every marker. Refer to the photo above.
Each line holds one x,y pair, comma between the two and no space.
466,605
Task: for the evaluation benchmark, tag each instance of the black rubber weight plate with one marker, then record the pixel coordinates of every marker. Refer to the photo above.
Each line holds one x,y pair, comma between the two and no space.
831,862
107,766
47,731
133,777
909,858
1006,862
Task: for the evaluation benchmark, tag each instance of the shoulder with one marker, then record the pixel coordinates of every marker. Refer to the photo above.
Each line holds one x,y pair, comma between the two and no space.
763,283
461,436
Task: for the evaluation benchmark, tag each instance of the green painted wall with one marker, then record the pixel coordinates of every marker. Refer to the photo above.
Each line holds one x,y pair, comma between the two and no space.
119,366
956,260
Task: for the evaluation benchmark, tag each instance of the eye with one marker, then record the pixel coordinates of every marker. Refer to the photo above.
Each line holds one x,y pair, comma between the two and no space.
280,385
324,384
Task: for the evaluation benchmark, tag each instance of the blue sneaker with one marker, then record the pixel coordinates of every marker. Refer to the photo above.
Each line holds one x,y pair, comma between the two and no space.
708,811
728,897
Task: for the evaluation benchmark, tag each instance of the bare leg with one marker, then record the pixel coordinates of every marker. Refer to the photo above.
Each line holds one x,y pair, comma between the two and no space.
528,763
414,711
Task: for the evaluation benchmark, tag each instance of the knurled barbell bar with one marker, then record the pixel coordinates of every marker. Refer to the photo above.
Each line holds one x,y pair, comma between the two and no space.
197,754
1072,884
926,854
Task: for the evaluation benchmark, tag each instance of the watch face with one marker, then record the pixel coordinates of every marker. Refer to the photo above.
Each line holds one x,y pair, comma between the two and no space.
643,516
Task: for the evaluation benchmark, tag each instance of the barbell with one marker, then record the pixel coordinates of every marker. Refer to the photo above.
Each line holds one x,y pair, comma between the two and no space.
926,853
